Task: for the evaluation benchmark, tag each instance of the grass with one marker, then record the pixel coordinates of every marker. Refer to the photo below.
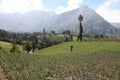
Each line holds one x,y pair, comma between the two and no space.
88,60
81,48
6,47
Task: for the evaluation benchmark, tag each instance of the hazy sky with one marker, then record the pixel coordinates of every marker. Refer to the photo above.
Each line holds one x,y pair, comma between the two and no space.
108,9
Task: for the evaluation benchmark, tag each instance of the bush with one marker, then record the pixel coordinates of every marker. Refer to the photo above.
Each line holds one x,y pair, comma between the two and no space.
0,47
14,48
27,46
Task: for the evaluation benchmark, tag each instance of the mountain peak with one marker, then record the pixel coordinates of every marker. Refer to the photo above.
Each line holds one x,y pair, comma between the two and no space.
36,21
84,7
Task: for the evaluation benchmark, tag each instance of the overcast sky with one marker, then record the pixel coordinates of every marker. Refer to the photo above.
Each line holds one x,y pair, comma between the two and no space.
108,9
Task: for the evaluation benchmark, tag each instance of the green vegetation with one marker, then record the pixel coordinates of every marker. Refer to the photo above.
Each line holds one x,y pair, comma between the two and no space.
35,40
97,60
27,46
7,47
81,27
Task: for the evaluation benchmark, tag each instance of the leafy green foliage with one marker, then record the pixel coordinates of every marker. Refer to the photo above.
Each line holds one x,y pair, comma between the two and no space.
27,46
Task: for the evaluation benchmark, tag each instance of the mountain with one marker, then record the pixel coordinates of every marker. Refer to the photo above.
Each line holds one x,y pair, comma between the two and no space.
117,25
93,23
27,22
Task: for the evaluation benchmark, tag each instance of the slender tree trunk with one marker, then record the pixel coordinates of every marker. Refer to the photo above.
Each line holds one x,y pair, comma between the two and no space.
80,32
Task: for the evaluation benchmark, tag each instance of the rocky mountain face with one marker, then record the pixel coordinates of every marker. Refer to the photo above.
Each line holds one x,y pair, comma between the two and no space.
93,23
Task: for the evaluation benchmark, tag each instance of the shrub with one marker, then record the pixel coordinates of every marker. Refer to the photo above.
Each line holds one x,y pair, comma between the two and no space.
0,47
27,46
14,48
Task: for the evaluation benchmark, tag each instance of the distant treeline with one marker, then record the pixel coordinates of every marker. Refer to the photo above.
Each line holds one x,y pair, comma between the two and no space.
40,40
36,40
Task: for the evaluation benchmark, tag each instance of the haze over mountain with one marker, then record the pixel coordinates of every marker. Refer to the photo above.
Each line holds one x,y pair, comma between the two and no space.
32,21
37,20
117,25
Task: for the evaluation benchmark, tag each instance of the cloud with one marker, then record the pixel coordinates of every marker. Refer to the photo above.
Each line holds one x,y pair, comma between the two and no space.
71,4
11,6
108,12
37,4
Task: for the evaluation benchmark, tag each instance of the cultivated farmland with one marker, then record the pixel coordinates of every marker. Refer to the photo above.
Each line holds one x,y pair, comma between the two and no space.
97,60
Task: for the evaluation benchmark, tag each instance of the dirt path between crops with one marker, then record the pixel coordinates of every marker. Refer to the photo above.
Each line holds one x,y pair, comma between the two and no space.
2,75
